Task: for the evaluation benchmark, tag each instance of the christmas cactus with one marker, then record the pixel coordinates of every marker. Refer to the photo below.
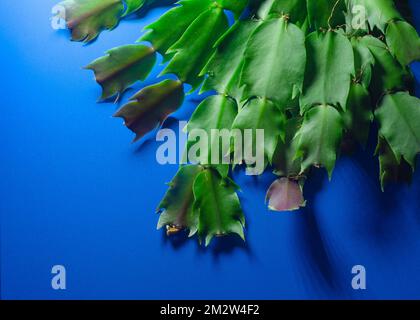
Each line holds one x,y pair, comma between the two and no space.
312,74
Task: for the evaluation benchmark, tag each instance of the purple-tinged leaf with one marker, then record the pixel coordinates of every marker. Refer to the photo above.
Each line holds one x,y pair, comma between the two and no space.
150,107
285,195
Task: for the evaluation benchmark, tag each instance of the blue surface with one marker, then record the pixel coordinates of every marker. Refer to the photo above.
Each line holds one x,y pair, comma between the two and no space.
73,191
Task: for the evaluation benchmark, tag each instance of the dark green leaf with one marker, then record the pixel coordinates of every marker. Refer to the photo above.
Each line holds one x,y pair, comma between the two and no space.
388,74
391,169
363,62
177,212
403,41
326,13
218,205
359,116
399,119
285,163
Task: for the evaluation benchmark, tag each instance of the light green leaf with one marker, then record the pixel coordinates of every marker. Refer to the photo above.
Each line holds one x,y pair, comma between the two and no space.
294,9
121,67
399,120
265,115
403,41
150,107
319,138
218,205
214,114
169,28
225,67
195,47
330,67
177,211
274,64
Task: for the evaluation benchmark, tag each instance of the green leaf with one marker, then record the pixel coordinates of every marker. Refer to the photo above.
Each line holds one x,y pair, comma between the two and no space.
134,5
391,169
225,66
150,107
399,119
195,47
87,18
265,115
177,211
379,12
214,114
218,205
169,28
121,67
236,6
388,74
285,195
403,41
274,64
326,13
262,8
285,163
330,67
359,116
364,62
319,138
294,9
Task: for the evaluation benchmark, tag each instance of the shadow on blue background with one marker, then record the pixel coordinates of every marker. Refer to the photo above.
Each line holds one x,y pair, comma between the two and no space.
75,192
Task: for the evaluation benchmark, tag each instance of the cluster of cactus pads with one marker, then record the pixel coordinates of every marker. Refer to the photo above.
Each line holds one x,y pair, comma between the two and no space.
310,73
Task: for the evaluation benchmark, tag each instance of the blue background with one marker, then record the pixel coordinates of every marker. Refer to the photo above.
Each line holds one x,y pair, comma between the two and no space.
74,191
